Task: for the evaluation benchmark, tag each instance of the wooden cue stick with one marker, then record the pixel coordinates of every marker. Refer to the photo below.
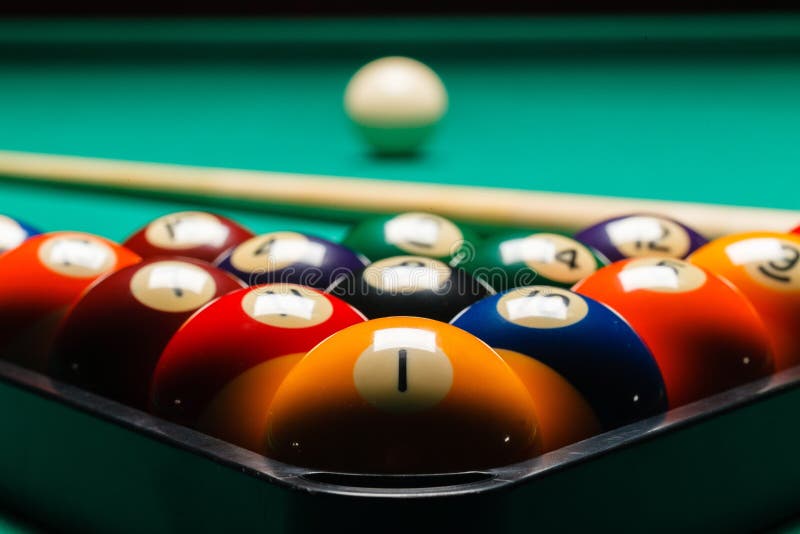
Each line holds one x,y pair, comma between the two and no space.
505,207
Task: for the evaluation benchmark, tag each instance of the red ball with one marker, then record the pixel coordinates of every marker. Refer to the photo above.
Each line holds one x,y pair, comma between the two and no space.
40,279
192,234
796,230
237,332
111,339
704,334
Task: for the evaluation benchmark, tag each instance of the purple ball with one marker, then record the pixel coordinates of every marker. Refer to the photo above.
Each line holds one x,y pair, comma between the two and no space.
641,234
291,258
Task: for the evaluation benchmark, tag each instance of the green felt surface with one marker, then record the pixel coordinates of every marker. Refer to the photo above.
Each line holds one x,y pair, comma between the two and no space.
637,107
8,527
13,523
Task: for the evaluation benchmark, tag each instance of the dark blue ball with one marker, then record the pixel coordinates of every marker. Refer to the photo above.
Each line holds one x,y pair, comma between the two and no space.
13,232
581,339
291,258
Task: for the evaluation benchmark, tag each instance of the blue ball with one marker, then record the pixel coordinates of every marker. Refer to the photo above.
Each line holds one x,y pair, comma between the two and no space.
290,258
584,341
13,232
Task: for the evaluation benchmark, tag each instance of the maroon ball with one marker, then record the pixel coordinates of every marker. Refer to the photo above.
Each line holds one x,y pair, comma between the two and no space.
191,234
110,340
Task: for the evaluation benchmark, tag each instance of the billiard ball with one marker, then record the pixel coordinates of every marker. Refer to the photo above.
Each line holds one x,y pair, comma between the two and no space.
110,339
395,102
238,412
401,395
40,279
796,230
522,259
583,341
564,415
192,234
290,258
414,233
765,266
410,285
13,232
266,324
704,334
641,235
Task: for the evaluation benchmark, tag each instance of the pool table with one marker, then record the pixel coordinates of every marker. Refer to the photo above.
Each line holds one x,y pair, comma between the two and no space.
692,108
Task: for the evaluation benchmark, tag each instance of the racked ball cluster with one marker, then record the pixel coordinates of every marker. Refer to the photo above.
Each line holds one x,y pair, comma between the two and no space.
339,356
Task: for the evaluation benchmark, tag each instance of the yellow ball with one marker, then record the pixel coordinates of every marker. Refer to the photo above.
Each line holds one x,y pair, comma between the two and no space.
395,102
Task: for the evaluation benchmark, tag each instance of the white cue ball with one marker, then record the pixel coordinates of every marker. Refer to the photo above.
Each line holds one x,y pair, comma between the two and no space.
395,102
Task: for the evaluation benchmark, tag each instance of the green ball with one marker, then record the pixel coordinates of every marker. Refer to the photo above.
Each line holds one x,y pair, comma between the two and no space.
416,234
523,259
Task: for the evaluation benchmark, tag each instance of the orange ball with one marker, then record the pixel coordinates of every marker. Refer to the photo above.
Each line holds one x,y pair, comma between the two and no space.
765,266
704,334
238,412
40,279
402,395
564,416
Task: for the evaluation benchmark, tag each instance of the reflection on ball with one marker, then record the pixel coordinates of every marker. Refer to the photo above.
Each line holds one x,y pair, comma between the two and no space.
13,232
